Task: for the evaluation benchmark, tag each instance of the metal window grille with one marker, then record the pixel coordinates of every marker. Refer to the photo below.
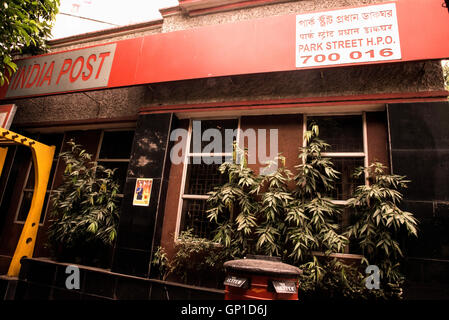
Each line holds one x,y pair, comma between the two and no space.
200,176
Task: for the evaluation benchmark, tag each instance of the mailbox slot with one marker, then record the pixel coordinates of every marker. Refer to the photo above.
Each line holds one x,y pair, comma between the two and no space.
237,282
280,286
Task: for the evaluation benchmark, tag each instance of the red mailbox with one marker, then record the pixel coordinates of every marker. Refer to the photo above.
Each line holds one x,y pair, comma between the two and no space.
261,278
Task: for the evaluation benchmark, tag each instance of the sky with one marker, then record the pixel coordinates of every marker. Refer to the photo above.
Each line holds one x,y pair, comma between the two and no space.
82,16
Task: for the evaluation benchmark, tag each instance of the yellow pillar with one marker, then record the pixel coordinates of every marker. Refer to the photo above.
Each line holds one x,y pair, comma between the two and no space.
3,152
42,160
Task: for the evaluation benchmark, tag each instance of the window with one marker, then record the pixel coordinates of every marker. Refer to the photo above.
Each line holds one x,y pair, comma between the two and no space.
345,135
201,175
113,151
27,192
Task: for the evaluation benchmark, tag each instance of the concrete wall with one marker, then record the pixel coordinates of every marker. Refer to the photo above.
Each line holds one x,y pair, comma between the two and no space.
110,103
183,22
404,77
340,81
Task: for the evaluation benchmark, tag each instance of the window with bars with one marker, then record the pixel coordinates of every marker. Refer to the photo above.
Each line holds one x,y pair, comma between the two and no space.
201,175
345,135
114,151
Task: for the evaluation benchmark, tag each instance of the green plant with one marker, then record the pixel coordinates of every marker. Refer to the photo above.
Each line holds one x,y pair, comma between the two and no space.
196,260
260,215
233,207
275,205
25,24
313,217
337,281
84,208
266,215
377,226
379,220
272,219
161,262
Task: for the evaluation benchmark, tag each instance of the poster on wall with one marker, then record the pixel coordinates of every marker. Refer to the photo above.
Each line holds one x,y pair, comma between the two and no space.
142,192
347,36
7,113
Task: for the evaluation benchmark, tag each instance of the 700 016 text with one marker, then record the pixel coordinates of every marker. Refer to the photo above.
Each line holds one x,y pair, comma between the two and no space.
352,56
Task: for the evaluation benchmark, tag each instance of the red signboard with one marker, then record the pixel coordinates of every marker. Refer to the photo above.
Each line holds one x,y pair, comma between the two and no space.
402,30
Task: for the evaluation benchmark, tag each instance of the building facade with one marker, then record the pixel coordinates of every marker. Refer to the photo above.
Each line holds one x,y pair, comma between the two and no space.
363,70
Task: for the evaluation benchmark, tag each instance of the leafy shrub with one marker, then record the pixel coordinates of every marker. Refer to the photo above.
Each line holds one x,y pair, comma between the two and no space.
233,207
380,222
335,280
196,261
263,215
161,262
84,214
313,216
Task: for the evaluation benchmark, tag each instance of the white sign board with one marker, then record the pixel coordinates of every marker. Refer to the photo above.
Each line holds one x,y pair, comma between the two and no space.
347,36
235,281
284,287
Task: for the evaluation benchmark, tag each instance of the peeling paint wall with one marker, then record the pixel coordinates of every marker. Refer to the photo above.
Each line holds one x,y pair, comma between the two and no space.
111,103
342,81
182,22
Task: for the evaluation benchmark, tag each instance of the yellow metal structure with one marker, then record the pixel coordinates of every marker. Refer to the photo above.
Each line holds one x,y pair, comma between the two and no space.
42,160
3,152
